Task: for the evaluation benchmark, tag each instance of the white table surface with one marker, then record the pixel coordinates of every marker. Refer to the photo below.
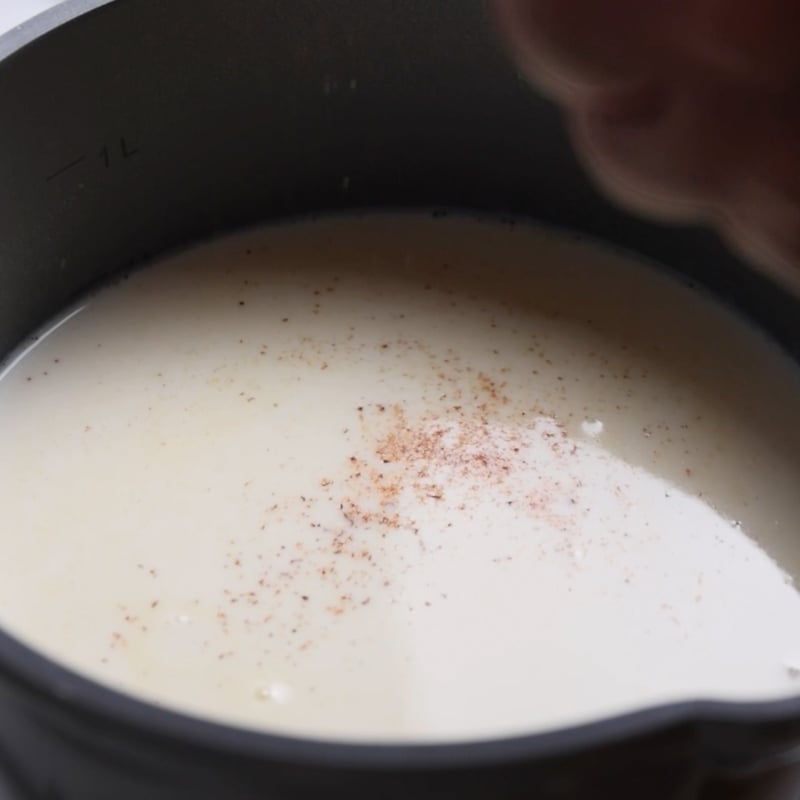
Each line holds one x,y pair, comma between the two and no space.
14,12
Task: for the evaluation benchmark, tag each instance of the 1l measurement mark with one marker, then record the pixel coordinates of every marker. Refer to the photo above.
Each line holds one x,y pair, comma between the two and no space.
108,155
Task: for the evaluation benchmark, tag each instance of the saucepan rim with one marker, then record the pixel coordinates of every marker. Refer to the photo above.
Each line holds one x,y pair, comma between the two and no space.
36,675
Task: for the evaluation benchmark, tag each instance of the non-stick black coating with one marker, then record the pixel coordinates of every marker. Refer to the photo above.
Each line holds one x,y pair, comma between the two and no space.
143,125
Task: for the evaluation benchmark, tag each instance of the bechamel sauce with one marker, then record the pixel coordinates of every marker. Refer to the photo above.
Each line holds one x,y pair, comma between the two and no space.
400,478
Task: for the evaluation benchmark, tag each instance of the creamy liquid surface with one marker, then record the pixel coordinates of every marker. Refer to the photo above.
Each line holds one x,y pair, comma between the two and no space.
402,478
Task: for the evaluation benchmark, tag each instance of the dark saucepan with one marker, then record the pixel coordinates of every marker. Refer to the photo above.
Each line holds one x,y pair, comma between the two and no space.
137,126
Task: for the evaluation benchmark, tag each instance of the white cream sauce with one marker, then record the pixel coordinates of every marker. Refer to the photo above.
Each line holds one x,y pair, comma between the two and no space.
402,478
